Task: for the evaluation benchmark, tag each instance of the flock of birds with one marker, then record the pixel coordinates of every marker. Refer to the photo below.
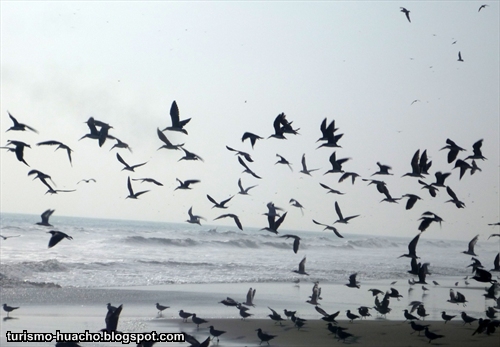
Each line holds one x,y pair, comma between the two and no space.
420,165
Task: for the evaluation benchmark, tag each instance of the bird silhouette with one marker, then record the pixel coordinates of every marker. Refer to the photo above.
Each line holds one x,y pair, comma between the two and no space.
234,217
252,137
329,227
45,218
302,267
459,56
412,248
341,218
190,155
167,143
454,199
127,166
296,241
177,124
56,237
19,149
19,126
453,150
131,194
247,169
476,149
330,190
244,191
149,180
194,219
336,164
221,204
304,166
406,12
245,155
59,145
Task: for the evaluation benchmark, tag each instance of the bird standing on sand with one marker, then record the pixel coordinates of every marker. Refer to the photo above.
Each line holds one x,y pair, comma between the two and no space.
264,337
184,315
161,308
56,237
409,316
197,320
446,317
417,327
431,336
351,316
9,309
467,319
215,333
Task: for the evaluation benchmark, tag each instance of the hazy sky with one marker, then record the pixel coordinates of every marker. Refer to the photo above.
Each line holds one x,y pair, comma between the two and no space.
233,67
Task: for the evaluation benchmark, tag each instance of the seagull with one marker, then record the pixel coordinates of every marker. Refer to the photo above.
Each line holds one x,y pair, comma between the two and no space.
19,126
476,149
197,320
112,319
235,217
416,170
336,164
346,175
120,144
446,317
245,155
250,296
9,309
19,149
330,190
247,170
278,129
217,204
432,189
453,150
297,204
215,333
406,12
161,308
302,268
42,177
464,166
409,316
427,218
8,237
430,335
133,195
383,170
467,319
167,143
296,241
190,155
412,199
177,124
184,315
304,166
341,218
56,237
150,180
454,199
481,7
244,191
440,178
185,184
352,281
274,223
351,316
283,161
193,219
412,248
329,227
59,145
45,218
127,166
87,181
253,138
264,337
459,56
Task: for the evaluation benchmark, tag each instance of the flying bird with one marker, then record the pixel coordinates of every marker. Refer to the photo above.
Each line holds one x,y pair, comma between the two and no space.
383,170
412,199
185,184
296,241
416,170
336,164
470,247
87,181
297,204
352,281
304,166
283,161
459,56
245,155
177,124
412,248
45,218
464,166
194,219
121,144
329,227
476,149
149,180
19,126
247,169
233,216
453,150
59,145
190,155
454,199
341,218
406,12
167,143
19,149
56,237
219,204
330,190
133,195
127,166
481,7
252,137
346,175
274,223
302,268
8,237
244,191
250,297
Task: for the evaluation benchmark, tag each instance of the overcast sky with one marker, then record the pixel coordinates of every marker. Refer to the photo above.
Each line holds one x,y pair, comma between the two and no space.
233,67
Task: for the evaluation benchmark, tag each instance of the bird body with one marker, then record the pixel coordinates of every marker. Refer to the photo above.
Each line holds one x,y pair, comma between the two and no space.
56,237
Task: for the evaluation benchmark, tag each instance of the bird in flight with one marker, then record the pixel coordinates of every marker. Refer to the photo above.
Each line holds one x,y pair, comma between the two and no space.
217,204
244,191
59,145
470,247
329,227
476,149
247,169
406,12
133,195
177,124
127,166
330,190
283,161
185,184
19,149
194,219
247,156
341,218
87,181
304,166
120,144
296,241
45,218
150,180
459,56
56,237
233,216
19,126
252,137
190,155
167,143
481,7
302,268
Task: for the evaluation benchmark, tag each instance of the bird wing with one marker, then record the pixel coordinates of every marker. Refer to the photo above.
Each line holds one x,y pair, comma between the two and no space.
237,221
16,123
472,243
321,311
302,265
223,202
476,148
412,246
120,159
212,200
174,114
337,209
163,137
280,220
56,237
414,162
129,186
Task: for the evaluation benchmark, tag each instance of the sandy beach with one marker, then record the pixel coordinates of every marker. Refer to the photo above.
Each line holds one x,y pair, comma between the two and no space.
76,310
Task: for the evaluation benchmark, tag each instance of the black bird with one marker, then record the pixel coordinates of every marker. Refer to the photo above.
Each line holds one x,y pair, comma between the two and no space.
467,319
481,7
161,308
342,335
427,218
103,133
416,170
483,324
459,56
264,337
215,333
330,190
190,155
474,167
193,219
431,336
94,133
406,12
351,316
296,241
375,291
472,243
19,149
233,216
185,184
331,140
326,130
476,149
45,218
59,145
464,166
432,189
394,294
409,316
316,292
278,129
120,144
127,166
217,204
459,298
253,138
167,143
9,309
275,316
150,180
352,281
346,175
302,268
244,191
289,314
412,248
56,237
274,223
55,191
496,263
42,177
421,311
19,126
283,161
329,227
483,276
417,327
198,320
341,218
112,319
336,164
491,312
247,169
177,124
297,204
446,317
412,199
304,166
453,150
423,164
131,194
363,311
383,170
245,155
184,315
243,312
440,178
8,237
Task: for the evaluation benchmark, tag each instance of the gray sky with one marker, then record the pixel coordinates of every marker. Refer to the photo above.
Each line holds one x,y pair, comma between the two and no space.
233,67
